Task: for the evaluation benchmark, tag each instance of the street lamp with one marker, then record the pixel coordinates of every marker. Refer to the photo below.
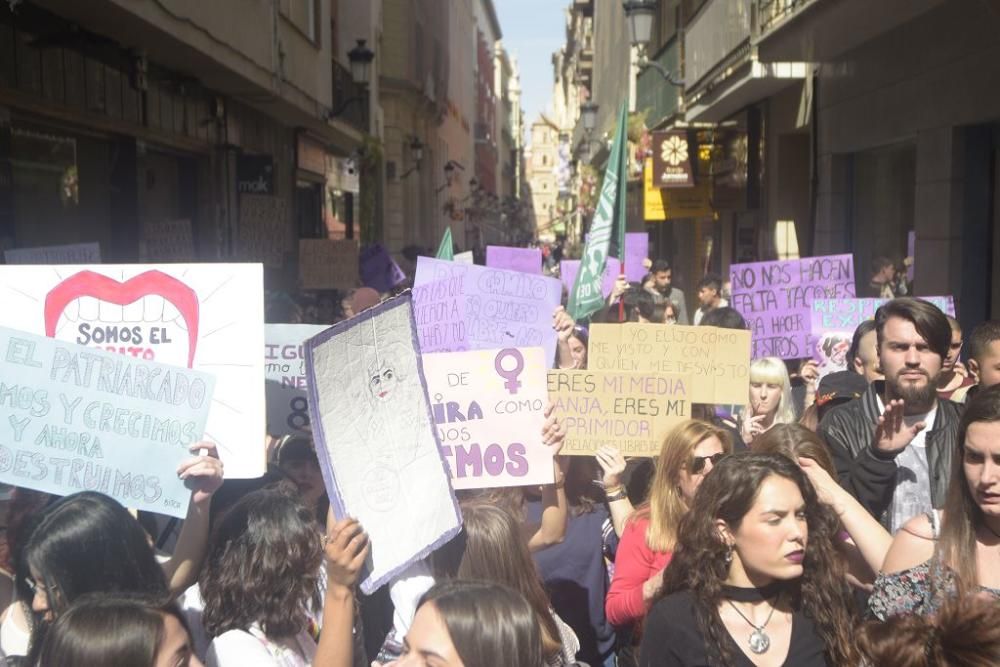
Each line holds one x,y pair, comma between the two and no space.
417,153
588,116
640,15
361,58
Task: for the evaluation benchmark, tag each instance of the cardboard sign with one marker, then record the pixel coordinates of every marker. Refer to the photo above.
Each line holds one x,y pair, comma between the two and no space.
439,311
167,241
502,308
376,439
78,419
378,269
78,253
636,252
525,260
286,389
207,317
631,411
327,264
833,322
776,299
489,409
264,230
718,360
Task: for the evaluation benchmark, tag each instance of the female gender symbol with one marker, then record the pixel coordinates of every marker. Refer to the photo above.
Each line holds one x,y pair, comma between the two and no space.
512,384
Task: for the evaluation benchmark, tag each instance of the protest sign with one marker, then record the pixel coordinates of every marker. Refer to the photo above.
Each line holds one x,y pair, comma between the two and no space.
376,439
263,235
489,409
502,308
718,360
78,253
208,317
525,260
833,322
167,241
74,419
776,297
285,377
439,311
631,411
568,268
328,264
378,269
465,257
636,252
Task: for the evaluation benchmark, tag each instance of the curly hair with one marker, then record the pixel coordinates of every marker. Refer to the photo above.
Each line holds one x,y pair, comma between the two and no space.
727,493
262,566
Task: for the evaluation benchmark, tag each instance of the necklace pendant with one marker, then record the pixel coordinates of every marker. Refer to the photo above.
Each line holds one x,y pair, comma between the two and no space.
759,641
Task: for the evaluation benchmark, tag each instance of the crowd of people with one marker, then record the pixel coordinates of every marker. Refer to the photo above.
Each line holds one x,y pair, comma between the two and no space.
849,519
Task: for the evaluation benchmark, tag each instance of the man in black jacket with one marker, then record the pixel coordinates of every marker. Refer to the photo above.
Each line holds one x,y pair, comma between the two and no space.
893,446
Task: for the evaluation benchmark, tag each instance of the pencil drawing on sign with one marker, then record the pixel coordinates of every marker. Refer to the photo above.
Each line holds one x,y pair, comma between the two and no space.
207,317
375,438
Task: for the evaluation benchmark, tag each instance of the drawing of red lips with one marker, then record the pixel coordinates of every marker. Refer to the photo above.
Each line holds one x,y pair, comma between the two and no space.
150,283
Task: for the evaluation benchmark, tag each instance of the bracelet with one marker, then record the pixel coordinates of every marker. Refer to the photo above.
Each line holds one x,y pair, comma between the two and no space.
613,489
617,495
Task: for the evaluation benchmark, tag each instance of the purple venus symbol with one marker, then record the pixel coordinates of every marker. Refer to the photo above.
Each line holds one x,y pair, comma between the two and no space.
512,384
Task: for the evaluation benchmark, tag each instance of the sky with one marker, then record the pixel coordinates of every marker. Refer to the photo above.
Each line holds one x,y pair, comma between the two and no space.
532,31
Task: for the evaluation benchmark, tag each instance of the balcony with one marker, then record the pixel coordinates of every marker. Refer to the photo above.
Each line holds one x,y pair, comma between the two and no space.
723,73
821,30
584,7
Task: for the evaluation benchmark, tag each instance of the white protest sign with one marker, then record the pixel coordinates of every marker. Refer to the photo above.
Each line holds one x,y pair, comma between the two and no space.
489,408
208,317
285,374
78,419
77,253
376,440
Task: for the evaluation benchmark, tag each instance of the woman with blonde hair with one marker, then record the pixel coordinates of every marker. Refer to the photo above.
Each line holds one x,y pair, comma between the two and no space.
688,453
770,398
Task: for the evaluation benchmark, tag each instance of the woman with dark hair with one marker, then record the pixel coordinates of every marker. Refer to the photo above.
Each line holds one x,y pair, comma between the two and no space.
756,578
571,351
259,580
490,548
688,454
473,624
124,631
965,632
296,458
936,554
88,543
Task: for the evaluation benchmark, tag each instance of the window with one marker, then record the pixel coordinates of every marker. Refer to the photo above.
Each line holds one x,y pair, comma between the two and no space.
786,241
304,15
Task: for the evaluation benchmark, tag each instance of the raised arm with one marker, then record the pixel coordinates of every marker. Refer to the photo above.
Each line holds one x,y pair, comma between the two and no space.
346,548
613,464
555,507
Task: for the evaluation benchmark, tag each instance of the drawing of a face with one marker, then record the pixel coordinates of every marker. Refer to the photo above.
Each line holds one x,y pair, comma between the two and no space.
382,380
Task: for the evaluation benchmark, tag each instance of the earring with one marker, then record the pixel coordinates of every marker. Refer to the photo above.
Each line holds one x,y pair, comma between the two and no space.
728,557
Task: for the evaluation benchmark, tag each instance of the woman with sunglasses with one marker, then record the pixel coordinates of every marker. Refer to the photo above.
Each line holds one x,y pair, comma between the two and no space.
688,453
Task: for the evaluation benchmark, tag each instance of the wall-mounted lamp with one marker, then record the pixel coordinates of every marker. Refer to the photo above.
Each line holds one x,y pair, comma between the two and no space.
640,15
361,58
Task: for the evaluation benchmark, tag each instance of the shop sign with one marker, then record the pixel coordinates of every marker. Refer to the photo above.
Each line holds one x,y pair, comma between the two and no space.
255,175
672,159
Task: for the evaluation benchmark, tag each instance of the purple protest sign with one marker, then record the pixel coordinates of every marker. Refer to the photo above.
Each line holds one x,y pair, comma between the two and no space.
636,252
568,268
439,311
776,299
502,308
378,270
525,260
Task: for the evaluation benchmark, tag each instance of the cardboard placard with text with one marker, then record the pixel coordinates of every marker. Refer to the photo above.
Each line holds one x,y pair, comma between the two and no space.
328,264
489,410
285,385
631,411
439,311
718,360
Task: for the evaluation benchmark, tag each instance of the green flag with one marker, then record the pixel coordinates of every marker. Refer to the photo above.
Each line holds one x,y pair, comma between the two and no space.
586,297
446,250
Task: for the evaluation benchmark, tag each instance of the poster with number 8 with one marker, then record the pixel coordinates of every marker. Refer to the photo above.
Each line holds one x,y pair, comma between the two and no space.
489,409
285,373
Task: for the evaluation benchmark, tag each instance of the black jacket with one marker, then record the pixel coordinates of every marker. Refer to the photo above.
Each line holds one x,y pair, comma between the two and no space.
869,475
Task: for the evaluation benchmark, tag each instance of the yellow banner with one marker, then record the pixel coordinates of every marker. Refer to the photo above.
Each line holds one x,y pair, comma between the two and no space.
631,411
718,360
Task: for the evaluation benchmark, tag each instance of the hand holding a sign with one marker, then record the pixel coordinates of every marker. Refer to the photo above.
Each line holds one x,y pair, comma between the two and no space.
613,464
892,433
555,507
345,548
203,473
563,324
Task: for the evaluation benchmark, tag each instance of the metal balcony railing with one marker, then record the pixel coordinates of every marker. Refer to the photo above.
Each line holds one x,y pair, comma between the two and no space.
772,12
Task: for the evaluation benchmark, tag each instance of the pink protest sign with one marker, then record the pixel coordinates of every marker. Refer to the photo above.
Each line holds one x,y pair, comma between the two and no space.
439,312
568,268
525,260
489,410
636,252
378,270
776,299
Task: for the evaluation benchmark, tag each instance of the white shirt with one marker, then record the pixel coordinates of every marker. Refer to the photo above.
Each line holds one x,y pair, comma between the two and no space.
237,648
912,495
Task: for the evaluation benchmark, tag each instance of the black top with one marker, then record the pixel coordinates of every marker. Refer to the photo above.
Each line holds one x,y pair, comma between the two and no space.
672,638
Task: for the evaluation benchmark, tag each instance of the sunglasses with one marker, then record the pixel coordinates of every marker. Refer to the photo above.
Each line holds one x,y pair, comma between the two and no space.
698,462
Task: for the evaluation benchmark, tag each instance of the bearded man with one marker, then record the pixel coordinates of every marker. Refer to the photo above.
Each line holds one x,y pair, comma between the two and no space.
893,446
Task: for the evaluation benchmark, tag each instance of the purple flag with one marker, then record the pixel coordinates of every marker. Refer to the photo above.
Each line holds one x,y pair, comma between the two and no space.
636,251
378,270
